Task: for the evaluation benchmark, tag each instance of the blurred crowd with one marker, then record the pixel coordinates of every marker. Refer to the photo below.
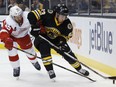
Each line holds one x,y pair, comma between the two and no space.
75,6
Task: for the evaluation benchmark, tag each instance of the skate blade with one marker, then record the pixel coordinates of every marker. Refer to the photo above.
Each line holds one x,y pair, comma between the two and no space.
17,78
53,80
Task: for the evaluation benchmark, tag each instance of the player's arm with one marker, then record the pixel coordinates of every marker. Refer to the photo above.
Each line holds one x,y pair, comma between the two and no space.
33,17
5,35
36,25
67,34
68,30
64,37
67,37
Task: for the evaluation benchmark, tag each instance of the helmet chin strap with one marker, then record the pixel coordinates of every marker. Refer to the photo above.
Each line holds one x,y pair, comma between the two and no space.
57,15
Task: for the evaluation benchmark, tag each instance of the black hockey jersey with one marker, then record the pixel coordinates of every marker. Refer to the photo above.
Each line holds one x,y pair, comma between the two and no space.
53,28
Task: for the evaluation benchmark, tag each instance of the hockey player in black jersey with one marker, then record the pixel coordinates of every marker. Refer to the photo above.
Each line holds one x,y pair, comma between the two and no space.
56,27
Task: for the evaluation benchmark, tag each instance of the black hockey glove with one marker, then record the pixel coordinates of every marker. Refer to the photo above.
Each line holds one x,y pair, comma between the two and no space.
35,30
64,47
62,44
60,41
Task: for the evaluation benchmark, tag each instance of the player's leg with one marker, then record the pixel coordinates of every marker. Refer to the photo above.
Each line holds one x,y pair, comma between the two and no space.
26,44
33,59
14,60
44,49
72,62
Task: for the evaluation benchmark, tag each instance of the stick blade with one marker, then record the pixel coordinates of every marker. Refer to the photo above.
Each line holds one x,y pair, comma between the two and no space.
112,77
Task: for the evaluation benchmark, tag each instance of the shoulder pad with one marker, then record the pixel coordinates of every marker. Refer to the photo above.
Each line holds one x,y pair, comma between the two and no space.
69,26
43,12
50,11
10,22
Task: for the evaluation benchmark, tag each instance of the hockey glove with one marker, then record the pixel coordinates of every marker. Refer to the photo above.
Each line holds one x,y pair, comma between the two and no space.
62,44
35,32
64,48
9,43
35,29
60,41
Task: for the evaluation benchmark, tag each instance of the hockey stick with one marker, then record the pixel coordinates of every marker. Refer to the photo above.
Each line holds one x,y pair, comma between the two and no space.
112,77
57,65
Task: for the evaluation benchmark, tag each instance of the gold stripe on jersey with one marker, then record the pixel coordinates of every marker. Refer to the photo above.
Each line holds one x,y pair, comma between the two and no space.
39,11
47,63
47,60
76,64
36,14
56,22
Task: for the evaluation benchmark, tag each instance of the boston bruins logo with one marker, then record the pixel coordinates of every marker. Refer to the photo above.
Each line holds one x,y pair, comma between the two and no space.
52,32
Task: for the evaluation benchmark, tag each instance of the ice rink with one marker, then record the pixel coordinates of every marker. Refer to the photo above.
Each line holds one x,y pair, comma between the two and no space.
30,77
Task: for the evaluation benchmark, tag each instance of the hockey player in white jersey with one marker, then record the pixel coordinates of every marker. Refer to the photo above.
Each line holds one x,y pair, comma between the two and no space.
14,32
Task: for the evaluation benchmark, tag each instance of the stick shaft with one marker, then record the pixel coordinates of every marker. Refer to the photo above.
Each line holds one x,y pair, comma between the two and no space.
76,59
56,65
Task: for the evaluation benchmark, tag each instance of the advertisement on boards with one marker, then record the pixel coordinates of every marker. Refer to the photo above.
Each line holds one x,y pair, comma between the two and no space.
94,38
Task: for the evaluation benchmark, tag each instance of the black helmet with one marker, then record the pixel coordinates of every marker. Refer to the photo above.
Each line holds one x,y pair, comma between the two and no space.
61,9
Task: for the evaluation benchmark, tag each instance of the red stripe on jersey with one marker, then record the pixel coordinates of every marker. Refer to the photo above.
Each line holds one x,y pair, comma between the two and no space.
24,42
14,58
31,58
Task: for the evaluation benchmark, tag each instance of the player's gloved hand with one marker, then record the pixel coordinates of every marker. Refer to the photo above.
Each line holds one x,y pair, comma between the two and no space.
37,29
35,32
9,43
60,41
64,48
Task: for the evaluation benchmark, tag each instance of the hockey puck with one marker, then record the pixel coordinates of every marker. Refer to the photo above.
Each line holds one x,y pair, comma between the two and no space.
113,81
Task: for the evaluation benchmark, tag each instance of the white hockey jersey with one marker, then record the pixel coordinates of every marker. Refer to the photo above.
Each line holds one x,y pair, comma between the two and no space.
13,27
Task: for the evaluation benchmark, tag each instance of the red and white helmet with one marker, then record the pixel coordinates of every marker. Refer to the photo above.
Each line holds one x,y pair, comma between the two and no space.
15,11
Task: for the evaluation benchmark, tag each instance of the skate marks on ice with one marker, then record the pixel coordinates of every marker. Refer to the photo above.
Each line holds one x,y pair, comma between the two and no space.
30,77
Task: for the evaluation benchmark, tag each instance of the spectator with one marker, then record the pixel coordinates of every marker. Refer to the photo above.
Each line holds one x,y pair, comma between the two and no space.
83,5
36,5
22,5
11,3
45,4
63,1
109,6
54,3
2,8
96,4
72,6
26,2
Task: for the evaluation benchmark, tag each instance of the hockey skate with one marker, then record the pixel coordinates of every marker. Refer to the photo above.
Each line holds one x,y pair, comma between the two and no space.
52,75
83,72
37,65
16,72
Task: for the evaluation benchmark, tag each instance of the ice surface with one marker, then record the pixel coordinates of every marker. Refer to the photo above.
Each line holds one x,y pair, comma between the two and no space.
30,77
